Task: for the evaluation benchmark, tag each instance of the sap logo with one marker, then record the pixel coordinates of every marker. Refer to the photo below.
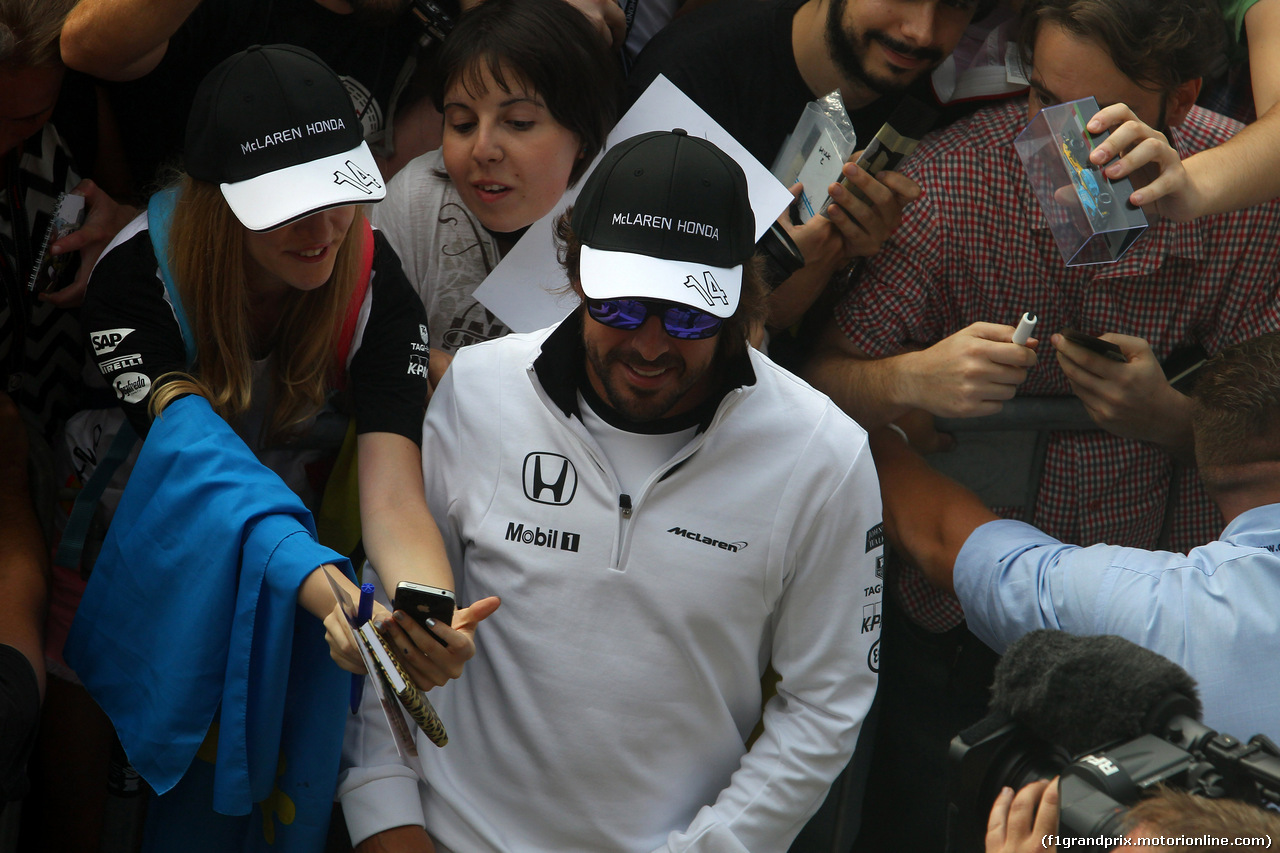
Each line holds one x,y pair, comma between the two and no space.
709,289
358,178
870,617
549,478
108,339
564,540
1104,764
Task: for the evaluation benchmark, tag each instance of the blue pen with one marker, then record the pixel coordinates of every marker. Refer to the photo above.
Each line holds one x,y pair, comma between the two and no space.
363,613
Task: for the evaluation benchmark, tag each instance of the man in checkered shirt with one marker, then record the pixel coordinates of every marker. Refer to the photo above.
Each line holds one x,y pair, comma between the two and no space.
928,324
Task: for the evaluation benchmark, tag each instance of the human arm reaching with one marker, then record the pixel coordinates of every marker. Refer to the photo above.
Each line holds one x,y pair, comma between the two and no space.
121,39
927,516
967,374
104,218
830,240
1242,172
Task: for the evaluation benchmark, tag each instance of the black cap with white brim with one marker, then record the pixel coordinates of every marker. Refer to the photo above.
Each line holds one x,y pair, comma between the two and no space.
275,128
665,216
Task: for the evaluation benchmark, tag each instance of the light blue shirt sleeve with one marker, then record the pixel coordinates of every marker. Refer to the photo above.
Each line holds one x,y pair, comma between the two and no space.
1012,578
1214,611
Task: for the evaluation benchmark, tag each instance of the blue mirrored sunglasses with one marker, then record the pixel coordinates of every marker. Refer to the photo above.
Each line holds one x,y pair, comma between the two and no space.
679,321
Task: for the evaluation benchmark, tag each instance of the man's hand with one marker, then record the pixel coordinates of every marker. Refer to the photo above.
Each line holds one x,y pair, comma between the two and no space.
863,228
1131,400
427,662
1138,146
830,241
1011,829
970,373
401,839
103,220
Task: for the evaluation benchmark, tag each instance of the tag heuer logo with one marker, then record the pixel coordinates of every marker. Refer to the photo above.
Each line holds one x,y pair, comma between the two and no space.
549,478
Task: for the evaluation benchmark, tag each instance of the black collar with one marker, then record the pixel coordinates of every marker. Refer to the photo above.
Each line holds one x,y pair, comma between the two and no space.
561,368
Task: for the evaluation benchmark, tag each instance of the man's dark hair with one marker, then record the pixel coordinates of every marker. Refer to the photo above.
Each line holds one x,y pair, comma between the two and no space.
1159,44
546,45
1236,418
752,304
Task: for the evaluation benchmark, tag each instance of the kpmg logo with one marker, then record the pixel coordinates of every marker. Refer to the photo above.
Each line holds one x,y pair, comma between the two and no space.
549,478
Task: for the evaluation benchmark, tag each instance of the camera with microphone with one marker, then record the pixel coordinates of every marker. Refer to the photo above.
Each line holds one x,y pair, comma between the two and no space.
1112,720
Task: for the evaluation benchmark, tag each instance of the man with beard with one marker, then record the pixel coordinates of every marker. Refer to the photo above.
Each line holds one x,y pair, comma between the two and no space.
663,511
929,326
753,65
155,54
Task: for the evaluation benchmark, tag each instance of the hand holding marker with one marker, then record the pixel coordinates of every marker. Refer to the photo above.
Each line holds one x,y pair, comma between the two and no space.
1025,327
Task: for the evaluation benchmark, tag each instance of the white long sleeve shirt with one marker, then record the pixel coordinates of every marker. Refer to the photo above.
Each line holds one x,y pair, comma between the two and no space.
610,697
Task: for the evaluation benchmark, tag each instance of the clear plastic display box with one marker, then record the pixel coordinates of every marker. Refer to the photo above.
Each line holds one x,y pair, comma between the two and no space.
1090,215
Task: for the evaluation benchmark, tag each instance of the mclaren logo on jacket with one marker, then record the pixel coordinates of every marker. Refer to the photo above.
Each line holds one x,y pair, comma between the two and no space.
707,540
549,478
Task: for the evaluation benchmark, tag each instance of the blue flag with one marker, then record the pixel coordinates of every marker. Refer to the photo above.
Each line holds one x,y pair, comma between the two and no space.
190,615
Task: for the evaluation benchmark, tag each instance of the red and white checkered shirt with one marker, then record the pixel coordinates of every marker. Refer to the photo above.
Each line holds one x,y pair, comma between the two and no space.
976,247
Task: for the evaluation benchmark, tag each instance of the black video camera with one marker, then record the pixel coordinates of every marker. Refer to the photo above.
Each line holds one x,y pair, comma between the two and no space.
1165,744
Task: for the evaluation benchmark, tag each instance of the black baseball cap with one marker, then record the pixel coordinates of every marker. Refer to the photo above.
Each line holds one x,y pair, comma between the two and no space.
665,216
274,127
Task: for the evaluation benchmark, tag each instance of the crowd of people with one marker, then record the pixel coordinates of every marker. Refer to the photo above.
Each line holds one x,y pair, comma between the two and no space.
266,379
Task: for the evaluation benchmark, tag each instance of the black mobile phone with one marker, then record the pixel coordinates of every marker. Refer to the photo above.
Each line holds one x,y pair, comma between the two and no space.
895,141
1093,344
421,601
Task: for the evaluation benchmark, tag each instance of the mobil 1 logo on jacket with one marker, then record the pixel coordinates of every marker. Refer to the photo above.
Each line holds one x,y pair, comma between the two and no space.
547,480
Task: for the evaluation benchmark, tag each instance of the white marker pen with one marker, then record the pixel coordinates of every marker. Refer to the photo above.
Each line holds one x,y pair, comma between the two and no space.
1025,327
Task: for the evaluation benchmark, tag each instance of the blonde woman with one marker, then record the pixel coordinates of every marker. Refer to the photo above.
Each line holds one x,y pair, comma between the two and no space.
249,305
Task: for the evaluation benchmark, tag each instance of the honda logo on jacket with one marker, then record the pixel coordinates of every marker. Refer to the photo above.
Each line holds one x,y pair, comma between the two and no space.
549,478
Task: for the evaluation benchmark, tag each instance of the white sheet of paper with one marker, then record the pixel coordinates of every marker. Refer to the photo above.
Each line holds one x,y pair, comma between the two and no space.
520,289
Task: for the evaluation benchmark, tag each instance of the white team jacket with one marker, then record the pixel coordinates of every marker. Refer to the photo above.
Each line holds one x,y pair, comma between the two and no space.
611,694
